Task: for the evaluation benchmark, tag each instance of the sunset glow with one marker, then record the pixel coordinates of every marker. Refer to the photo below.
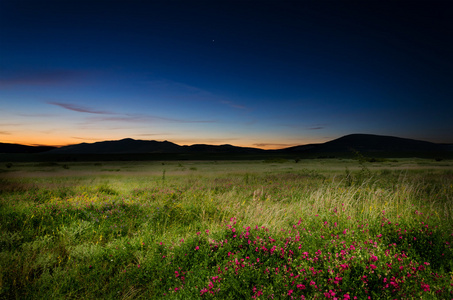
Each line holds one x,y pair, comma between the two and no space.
266,74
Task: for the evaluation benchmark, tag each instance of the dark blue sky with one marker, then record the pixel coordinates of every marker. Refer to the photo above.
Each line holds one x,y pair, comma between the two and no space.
266,74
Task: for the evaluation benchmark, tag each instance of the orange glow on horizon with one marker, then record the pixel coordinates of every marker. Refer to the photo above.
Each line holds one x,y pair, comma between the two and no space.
55,141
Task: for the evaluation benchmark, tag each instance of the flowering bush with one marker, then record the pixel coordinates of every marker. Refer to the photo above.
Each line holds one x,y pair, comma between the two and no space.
252,262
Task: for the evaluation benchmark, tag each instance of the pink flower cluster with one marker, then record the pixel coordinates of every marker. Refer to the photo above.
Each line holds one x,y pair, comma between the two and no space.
210,289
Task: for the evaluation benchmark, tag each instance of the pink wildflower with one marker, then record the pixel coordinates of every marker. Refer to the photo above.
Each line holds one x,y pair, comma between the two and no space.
300,286
425,287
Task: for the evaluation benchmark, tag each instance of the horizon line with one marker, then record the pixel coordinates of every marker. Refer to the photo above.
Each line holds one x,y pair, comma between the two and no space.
255,146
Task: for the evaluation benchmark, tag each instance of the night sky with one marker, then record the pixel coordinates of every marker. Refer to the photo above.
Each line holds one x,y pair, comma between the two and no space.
267,74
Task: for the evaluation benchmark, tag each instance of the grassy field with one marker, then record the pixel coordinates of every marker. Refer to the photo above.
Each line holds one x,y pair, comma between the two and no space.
316,229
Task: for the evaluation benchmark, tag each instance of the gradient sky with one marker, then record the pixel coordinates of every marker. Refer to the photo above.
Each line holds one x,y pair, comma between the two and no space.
268,74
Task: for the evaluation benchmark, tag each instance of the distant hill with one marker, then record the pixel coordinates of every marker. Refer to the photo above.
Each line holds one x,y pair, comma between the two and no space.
17,148
122,146
364,143
131,146
368,143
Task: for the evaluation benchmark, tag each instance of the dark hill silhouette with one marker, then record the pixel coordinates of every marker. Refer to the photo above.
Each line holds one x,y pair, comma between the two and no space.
132,146
370,143
17,148
122,146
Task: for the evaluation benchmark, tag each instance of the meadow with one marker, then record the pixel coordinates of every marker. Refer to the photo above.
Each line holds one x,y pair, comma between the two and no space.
276,229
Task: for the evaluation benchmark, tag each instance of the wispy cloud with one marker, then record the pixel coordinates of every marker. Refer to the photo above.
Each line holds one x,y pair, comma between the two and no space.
36,115
210,141
152,134
271,145
5,133
110,116
79,108
233,105
139,118
220,140
86,139
316,128
10,124
39,77
175,87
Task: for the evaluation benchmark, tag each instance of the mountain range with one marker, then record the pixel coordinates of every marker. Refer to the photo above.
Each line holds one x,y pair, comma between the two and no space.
364,143
131,146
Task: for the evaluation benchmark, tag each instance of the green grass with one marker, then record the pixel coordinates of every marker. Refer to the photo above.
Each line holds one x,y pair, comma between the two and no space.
227,230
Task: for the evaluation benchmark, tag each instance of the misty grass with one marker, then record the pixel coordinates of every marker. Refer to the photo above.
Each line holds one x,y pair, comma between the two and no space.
223,231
